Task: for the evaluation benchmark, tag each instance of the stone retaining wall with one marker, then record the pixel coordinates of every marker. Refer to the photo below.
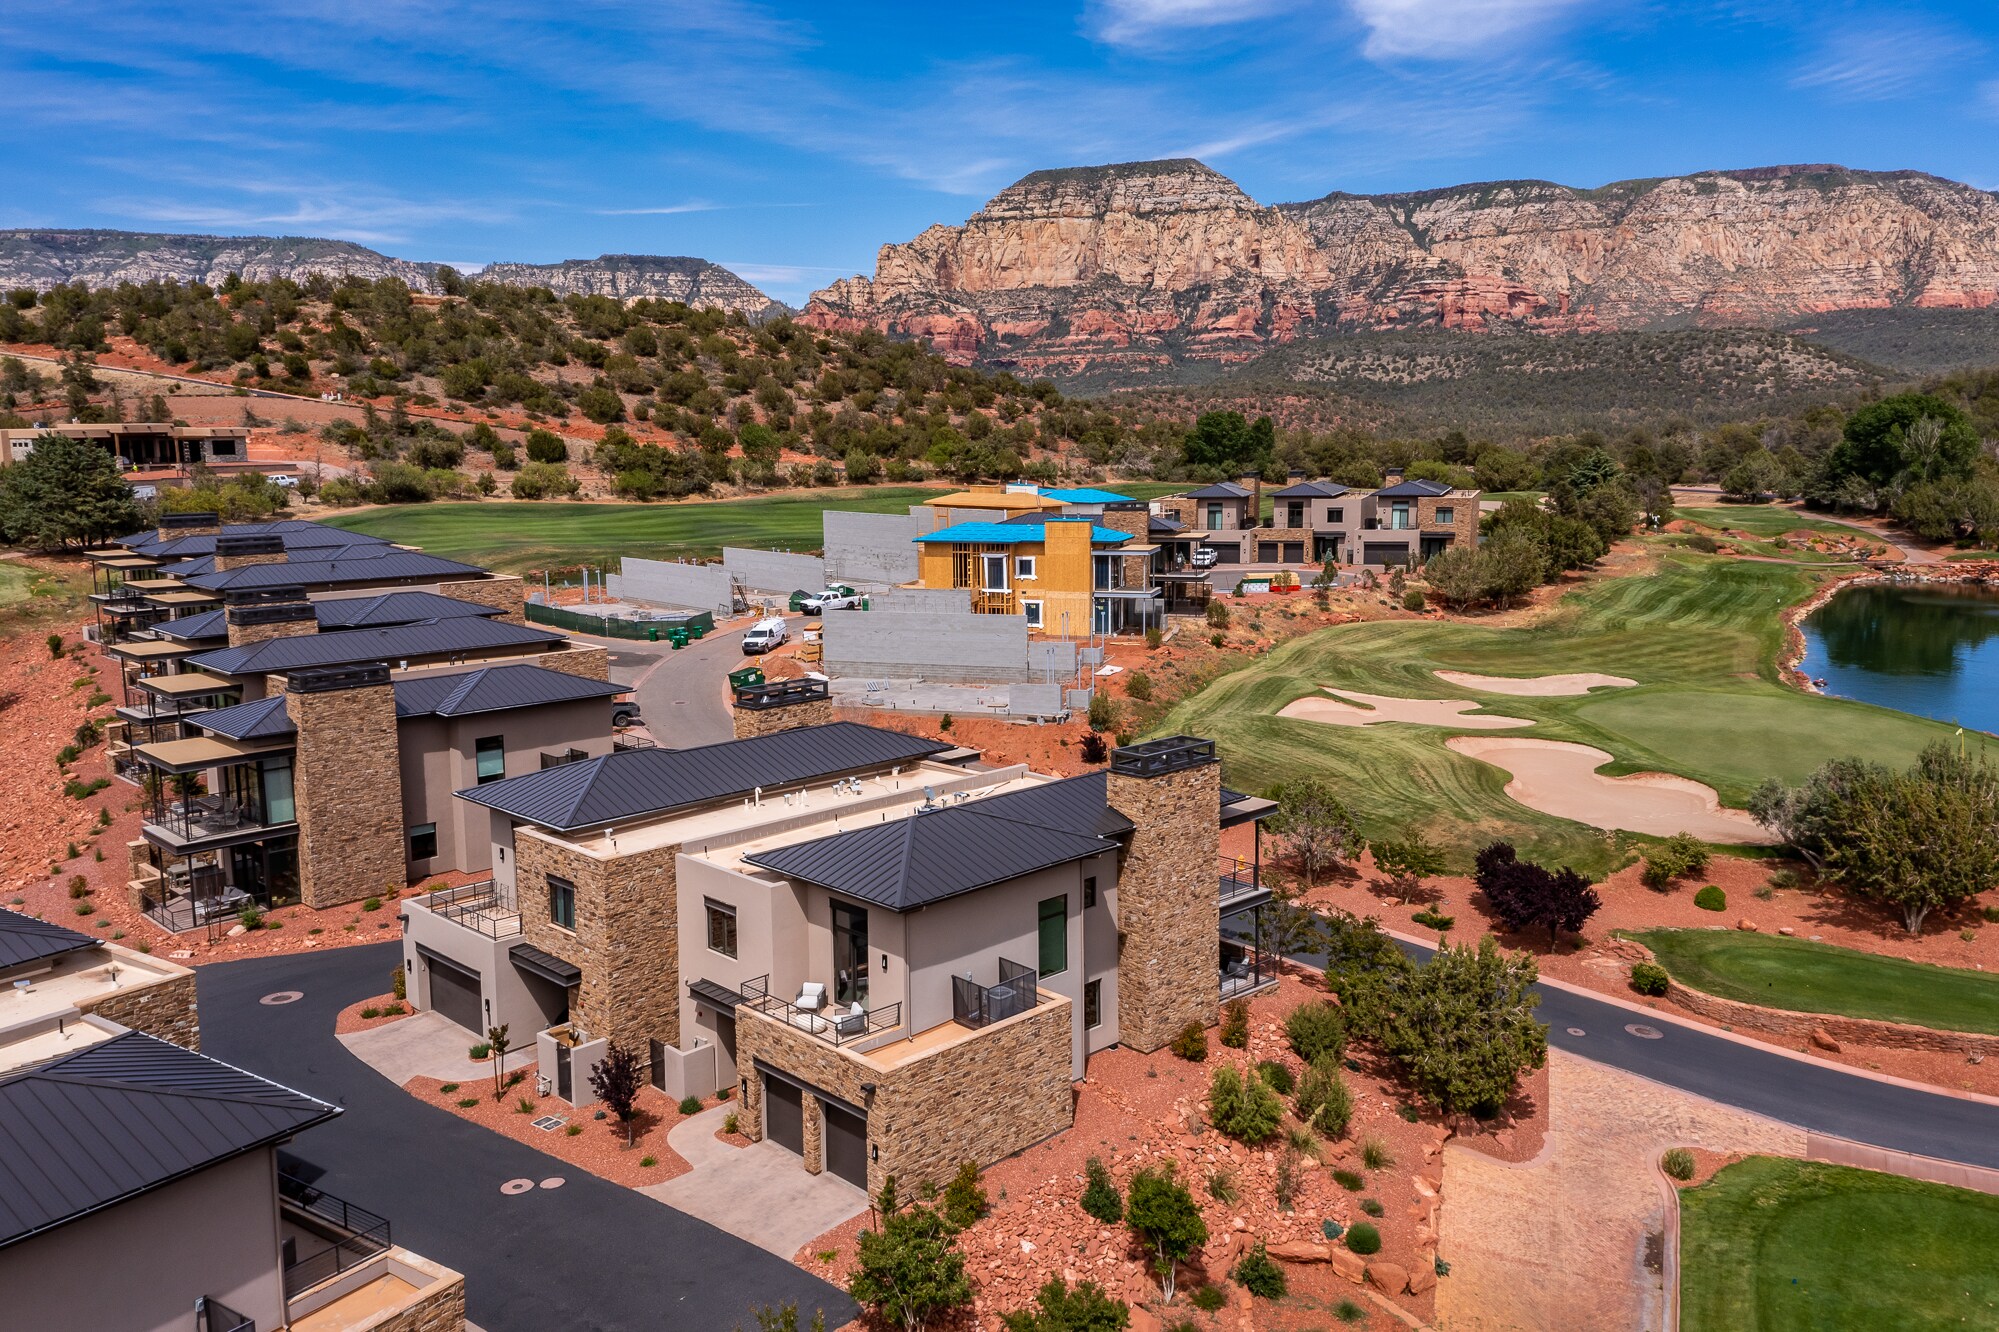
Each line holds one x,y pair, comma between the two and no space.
165,1009
1800,1026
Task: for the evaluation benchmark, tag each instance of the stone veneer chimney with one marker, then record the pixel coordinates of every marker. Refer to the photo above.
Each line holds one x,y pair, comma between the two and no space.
347,781
234,552
1169,900
781,705
268,612
174,525
505,591
1253,483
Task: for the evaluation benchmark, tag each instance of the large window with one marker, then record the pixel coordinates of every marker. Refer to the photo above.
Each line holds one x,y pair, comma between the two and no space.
992,573
1214,517
279,806
1294,513
423,841
1398,517
490,753
1054,932
850,954
561,902
722,929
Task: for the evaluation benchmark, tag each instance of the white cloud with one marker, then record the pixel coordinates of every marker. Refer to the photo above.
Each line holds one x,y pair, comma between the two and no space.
661,210
1881,60
1442,29
1141,22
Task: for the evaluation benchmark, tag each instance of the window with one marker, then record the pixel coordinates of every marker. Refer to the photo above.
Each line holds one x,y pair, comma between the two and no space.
423,841
1336,515
1054,931
722,929
1446,517
850,954
1023,566
994,567
561,903
1093,1003
1398,516
1032,610
1089,891
490,756
1214,517
1294,513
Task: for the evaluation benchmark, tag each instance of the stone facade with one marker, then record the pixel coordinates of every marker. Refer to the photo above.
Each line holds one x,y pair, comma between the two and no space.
347,777
580,659
441,1307
1463,527
224,563
1169,914
165,1009
264,625
626,941
982,1099
505,591
1844,1030
768,721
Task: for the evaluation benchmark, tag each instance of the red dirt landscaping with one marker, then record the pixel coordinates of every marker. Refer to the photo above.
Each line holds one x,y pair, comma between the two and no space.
389,1008
599,1148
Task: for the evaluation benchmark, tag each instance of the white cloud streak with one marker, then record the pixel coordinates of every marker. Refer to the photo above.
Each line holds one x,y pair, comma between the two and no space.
1450,29
1882,60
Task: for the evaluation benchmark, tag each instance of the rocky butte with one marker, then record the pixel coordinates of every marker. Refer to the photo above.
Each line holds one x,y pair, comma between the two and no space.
1149,264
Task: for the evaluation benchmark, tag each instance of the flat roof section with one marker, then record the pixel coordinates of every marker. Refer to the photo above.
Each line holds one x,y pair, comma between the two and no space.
186,684
206,751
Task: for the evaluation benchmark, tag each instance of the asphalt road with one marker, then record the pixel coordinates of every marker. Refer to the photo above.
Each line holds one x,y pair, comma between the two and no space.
589,1256
684,695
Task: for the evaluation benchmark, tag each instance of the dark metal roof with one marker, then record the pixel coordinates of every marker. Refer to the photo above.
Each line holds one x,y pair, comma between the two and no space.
494,689
1415,490
23,939
396,608
714,994
1313,490
119,1119
429,638
545,965
354,564
293,533
599,792
930,856
259,719
1163,526
194,628
1220,490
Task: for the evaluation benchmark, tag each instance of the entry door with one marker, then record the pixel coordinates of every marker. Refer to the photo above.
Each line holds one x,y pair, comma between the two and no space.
454,992
784,1115
847,1145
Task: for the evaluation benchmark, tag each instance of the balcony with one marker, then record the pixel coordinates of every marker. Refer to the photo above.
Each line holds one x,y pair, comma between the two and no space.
976,1006
324,1236
1241,883
484,908
828,1021
782,693
194,819
212,1315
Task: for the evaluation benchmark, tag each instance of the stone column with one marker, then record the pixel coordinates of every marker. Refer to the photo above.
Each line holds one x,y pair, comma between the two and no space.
347,782
1168,905
815,1134
505,591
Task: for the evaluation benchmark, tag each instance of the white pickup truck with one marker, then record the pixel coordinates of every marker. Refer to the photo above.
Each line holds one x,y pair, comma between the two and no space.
833,598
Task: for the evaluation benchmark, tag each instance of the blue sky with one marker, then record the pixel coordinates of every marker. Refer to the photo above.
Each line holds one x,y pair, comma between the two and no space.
788,141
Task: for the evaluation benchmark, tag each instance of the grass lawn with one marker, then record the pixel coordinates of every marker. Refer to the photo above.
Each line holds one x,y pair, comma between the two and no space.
1700,636
1773,1245
509,535
1808,977
1763,520
15,581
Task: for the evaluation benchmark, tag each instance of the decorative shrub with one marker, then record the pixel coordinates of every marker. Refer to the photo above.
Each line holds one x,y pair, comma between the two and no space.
1412,600
1316,1028
479,1051
1349,1180
1208,1299
1235,1023
1374,1154
964,1200
78,886
1259,1274
1192,1042
1649,978
468,1102
1243,1108
448,1088
1332,1229
1138,684
648,1162
1324,1101
690,1105
372,904
1101,1199
1434,920
1681,855
574,1130
1711,898
1277,1077
1363,1239
1371,1207
730,1122
398,984
1679,1163
1350,1311
371,1012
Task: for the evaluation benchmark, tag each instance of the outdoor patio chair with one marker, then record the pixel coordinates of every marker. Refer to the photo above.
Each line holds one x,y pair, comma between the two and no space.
853,1023
811,997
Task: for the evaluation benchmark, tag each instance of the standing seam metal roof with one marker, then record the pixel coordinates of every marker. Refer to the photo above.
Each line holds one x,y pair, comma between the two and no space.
24,939
354,565
427,638
392,608
463,694
192,628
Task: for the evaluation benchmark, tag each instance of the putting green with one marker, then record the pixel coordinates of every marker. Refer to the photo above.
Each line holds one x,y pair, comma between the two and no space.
1807,977
1771,1245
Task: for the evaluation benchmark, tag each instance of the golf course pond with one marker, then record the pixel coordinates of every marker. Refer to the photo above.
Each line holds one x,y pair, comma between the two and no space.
1927,648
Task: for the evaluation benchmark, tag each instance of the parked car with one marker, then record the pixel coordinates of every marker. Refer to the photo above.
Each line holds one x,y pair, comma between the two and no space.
833,598
625,711
765,635
1206,557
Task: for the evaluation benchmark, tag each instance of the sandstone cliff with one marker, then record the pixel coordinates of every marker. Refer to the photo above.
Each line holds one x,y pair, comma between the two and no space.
1143,266
627,277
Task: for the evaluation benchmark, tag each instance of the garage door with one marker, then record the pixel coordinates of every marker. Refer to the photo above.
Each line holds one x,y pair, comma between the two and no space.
784,1115
847,1145
454,991
1294,552
1385,554
1266,552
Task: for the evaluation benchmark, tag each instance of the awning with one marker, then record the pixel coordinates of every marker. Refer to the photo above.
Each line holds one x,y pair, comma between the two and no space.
149,649
1247,809
206,751
155,585
545,965
715,995
1127,593
186,684
187,598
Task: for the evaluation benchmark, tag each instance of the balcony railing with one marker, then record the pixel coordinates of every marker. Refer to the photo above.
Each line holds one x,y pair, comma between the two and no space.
1239,877
212,1315
191,820
832,1024
357,1234
1245,967
486,907
974,1005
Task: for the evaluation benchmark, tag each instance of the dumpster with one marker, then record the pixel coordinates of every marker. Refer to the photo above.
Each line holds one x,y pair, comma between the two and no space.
798,600
652,633
745,678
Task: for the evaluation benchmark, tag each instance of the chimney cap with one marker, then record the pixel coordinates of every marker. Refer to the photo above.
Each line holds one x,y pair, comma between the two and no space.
258,543
327,679
1157,758
286,593
782,694
172,521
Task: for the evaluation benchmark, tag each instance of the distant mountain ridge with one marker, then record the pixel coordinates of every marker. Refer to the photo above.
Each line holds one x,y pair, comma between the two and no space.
1141,270
40,258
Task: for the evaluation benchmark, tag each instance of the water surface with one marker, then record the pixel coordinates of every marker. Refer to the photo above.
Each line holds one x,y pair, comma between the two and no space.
1931,649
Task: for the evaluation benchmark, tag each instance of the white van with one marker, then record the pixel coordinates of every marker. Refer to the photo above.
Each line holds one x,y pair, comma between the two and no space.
765,635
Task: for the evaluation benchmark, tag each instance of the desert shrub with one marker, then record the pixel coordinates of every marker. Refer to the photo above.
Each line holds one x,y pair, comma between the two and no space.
371,1012
1703,543
1649,978
1363,1239
1350,1311
1374,1154
1284,1187
1679,1163
1154,637
545,446
690,1105
1101,1198
1218,639
479,1051
1235,1024
1434,920
1095,749
1711,898
730,1123
1222,1186
448,1087
1192,1042
574,1130
1300,1138
523,1105
467,1102
1277,1077
1209,1299
1243,1108
1331,1229
85,908
1218,614
1315,1028
372,904
79,886
398,984
1324,1101
1138,685
1412,600
55,644
1350,1180
964,1200
1259,1274
1372,1206
1680,855
250,917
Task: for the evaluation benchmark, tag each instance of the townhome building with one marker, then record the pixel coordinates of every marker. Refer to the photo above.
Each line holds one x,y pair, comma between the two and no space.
898,960
1400,524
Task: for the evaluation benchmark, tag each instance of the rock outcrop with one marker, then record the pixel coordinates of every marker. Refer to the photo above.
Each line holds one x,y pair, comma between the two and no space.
1152,263
628,277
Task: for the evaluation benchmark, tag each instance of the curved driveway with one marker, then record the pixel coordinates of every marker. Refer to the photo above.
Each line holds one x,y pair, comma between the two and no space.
589,1256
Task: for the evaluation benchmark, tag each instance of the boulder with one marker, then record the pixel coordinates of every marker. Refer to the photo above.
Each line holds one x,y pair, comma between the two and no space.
1422,1279
1746,925
1388,1278
1824,1041
1348,1264
1786,931
1299,1251
1144,1320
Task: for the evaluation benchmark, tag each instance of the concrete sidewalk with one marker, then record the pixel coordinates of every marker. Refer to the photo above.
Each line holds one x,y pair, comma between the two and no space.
760,1193
426,1045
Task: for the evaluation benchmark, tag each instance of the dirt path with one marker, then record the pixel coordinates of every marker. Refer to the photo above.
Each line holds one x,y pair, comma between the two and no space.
1573,1238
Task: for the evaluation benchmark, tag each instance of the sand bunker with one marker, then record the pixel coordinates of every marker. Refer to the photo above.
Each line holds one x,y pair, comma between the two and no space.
1535,686
1558,778
1337,711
